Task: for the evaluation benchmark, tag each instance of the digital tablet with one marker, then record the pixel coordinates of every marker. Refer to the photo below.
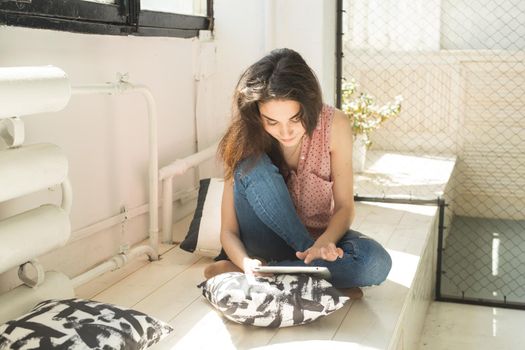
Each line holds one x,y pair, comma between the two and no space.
322,272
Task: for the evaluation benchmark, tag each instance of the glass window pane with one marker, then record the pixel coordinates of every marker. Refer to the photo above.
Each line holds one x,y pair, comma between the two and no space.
183,7
103,1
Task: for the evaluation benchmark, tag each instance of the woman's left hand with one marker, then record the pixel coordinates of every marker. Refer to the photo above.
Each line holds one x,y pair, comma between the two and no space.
320,250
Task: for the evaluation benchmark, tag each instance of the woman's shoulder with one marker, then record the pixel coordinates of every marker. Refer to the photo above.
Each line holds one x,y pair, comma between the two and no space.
331,111
341,128
338,118
335,125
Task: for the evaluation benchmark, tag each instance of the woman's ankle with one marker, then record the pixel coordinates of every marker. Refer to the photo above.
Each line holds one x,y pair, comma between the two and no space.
354,293
219,267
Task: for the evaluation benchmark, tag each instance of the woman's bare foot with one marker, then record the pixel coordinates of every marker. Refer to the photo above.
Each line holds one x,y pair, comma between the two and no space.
219,267
353,293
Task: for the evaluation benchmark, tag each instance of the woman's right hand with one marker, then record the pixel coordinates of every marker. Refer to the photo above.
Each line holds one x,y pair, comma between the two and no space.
321,250
248,265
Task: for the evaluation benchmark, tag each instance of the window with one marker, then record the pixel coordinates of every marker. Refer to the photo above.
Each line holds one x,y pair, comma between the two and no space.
483,25
390,24
179,18
183,7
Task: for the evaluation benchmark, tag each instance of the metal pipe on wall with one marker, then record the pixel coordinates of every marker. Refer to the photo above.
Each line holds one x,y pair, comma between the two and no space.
50,222
114,263
21,299
166,174
120,87
167,210
129,214
67,195
152,250
32,90
153,170
27,169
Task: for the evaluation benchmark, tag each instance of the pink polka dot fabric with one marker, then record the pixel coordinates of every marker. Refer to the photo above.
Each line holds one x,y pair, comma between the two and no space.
311,185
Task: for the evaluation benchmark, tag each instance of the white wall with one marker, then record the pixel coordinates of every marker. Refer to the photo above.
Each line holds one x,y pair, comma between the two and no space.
309,26
105,137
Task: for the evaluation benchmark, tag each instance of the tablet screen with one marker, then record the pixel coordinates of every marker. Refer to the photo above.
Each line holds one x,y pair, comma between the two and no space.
315,270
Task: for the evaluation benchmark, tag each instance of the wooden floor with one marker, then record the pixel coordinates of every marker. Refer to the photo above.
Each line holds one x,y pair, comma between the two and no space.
390,316
168,290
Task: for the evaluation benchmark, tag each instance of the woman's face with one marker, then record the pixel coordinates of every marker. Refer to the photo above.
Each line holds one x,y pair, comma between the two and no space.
282,120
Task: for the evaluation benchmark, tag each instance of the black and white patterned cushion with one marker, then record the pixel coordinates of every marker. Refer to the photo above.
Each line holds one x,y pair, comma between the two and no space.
276,301
81,324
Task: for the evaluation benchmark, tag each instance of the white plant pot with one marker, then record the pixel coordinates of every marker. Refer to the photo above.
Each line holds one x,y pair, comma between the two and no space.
359,153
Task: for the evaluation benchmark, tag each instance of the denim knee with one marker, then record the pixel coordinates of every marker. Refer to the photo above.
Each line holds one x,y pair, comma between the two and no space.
258,183
366,262
380,266
253,167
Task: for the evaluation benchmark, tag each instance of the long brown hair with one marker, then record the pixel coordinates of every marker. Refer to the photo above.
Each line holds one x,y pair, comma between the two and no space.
281,75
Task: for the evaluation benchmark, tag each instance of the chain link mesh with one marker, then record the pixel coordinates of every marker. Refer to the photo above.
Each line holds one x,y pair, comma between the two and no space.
460,69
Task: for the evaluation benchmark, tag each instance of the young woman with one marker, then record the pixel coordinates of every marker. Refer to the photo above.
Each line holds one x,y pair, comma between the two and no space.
288,193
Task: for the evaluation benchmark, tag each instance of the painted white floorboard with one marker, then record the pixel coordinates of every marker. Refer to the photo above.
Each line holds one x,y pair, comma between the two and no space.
92,288
376,314
199,326
149,278
167,289
249,337
175,295
97,285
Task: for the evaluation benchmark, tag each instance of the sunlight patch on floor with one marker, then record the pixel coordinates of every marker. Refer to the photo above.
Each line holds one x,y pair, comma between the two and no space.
211,321
403,268
315,345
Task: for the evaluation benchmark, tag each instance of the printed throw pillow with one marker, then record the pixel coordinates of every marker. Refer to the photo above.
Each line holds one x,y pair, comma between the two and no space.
203,236
81,324
276,301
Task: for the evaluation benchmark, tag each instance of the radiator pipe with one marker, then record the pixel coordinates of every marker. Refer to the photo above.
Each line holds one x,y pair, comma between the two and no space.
123,86
166,174
114,263
120,260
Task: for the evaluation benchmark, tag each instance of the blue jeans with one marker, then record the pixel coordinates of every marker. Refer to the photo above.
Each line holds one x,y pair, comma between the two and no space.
271,229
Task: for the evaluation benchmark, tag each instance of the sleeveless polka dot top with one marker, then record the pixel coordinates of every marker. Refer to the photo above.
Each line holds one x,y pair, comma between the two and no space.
311,185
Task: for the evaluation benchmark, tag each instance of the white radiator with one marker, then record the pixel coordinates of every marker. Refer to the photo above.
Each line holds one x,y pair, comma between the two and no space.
26,169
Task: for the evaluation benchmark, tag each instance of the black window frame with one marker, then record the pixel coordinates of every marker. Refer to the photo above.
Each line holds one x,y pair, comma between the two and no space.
122,18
